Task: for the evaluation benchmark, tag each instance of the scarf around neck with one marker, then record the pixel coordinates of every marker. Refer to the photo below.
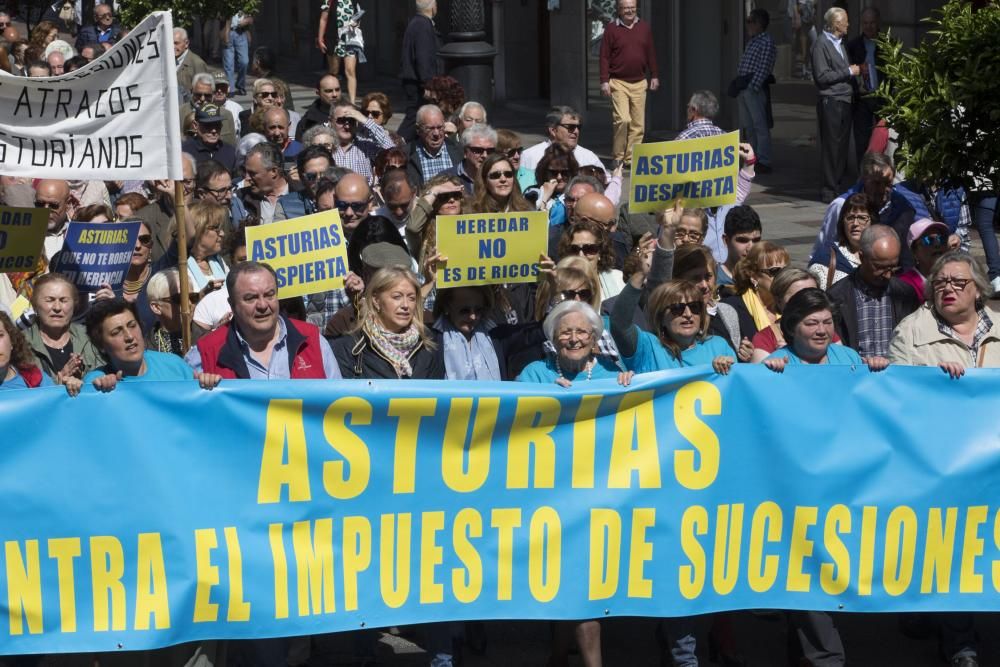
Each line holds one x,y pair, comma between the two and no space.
397,348
757,309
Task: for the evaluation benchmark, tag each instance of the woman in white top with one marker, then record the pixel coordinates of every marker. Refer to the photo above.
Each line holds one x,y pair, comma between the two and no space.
844,256
205,260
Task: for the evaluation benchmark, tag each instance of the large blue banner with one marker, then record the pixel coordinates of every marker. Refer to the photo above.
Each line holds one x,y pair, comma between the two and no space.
163,513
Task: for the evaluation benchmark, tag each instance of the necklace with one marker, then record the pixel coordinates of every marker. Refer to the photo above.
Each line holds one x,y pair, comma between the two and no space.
133,286
589,367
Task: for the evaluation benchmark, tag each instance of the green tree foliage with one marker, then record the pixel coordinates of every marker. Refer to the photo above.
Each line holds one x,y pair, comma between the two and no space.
943,98
133,11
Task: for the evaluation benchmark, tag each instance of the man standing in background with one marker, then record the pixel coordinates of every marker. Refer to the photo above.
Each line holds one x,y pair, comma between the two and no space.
420,63
863,51
757,63
627,56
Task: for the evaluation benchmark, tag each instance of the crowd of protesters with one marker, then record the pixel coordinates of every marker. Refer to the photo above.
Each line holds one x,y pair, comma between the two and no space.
618,294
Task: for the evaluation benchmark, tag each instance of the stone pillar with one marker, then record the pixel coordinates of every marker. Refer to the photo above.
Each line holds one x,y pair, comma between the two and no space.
568,55
500,67
466,56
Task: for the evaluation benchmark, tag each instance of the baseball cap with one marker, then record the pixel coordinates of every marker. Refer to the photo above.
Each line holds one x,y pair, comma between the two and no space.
221,79
382,255
208,113
924,225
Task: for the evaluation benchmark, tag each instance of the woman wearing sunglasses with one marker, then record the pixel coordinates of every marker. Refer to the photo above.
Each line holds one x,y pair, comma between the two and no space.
752,278
376,106
591,240
553,173
501,193
928,240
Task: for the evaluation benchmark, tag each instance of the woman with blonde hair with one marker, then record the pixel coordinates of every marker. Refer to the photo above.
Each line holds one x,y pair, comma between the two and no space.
753,301
205,262
390,340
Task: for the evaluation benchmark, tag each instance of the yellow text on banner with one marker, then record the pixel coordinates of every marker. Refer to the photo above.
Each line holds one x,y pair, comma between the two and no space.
491,248
702,172
308,254
22,232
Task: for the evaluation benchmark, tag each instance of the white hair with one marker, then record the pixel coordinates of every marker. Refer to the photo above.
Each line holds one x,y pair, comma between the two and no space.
479,131
424,5
563,309
203,78
59,46
163,284
426,109
472,105
182,33
832,15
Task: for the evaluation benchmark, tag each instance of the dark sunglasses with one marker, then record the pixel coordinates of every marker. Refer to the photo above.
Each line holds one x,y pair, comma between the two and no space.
677,309
312,175
933,240
448,197
577,295
497,175
559,173
267,93
345,121
47,204
175,299
571,127
773,271
202,96
374,113
358,207
516,151
589,249
146,240
480,150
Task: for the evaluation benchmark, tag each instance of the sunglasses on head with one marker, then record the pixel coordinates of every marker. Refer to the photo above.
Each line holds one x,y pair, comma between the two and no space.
358,207
497,175
589,249
933,240
677,309
577,294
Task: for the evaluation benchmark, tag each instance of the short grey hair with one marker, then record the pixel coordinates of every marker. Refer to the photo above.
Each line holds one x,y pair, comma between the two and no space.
479,131
584,179
316,131
556,113
163,285
832,15
246,144
177,31
426,109
704,103
979,275
873,235
424,5
269,154
472,105
203,78
555,316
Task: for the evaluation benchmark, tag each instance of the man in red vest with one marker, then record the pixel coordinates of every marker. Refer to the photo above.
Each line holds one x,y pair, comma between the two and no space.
259,343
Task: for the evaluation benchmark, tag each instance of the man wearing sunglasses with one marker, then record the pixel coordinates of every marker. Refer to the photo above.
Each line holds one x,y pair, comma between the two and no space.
54,195
312,163
202,93
189,63
478,143
104,30
564,128
207,143
318,113
360,139
872,300
353,199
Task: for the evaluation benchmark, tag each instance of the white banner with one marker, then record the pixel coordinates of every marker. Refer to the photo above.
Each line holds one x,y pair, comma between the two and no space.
114,119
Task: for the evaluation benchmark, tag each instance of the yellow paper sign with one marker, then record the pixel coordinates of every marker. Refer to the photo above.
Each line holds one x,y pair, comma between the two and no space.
22,232
702,172
491,248
309,254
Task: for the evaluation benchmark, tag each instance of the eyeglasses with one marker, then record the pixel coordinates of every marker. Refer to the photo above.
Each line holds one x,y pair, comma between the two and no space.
201,96
4,25
515,152
588,249
882,270
217,192
571,127
773,271
579,334
267,94
497,175
481,150
933,240
345,121
559,173
692,234
577,295
146,240
677,309
958,284
51,205
175,299
857,217
210,128
374,113
359,207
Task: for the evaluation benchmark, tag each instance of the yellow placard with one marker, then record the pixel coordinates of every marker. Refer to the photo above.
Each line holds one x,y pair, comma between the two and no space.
22,233
309,254
702,172
491,248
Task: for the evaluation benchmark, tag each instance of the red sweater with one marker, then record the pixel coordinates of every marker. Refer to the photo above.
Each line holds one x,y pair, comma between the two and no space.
628,53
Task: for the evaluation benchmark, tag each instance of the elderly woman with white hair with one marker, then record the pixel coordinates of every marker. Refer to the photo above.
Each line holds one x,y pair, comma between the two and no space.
573,328
954,329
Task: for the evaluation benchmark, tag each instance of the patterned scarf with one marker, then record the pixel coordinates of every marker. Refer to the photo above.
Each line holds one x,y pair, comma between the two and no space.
397,348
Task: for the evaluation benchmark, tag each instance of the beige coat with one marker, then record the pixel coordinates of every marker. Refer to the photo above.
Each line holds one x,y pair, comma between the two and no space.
917,342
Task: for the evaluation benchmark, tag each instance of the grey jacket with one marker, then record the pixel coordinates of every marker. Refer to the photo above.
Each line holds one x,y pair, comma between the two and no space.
831,71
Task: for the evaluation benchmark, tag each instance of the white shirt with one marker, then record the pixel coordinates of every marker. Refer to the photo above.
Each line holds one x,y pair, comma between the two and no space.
213,310
235,109
584,157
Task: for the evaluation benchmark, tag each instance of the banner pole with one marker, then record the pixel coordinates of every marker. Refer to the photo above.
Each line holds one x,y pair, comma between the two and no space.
180,216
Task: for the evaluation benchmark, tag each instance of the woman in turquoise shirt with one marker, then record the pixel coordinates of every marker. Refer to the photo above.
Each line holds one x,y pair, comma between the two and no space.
676,312
807,323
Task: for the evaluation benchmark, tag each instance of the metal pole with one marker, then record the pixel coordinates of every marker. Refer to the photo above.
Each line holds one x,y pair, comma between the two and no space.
180,216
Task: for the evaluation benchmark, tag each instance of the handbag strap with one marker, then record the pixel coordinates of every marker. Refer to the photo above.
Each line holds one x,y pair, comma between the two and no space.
831,269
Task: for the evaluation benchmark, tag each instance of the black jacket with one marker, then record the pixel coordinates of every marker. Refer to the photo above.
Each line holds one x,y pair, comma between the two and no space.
420,47
315,114
413,160
360,360
845,320
517,345
222,153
